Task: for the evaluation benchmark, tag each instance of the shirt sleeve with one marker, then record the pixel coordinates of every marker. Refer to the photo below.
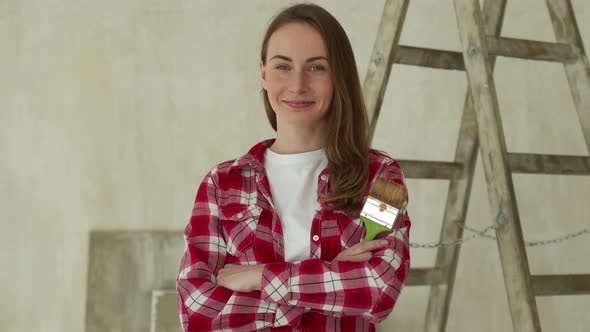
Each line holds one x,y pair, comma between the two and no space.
368,289
204,306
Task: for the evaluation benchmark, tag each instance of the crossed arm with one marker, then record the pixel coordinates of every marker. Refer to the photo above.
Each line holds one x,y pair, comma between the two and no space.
248,278
363,280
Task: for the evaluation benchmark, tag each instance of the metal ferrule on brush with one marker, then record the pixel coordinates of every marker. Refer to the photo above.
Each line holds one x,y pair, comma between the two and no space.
380,212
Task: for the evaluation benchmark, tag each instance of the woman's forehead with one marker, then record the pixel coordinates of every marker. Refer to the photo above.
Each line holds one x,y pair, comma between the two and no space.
296,41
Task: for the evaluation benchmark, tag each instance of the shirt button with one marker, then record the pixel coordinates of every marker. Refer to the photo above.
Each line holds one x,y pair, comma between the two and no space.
240,215
324,177
315,238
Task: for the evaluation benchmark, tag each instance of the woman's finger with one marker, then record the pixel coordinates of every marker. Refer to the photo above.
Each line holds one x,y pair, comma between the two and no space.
362,251
231,266
367,246
364,257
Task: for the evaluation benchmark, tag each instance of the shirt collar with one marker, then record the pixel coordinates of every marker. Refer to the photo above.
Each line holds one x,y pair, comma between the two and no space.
254,158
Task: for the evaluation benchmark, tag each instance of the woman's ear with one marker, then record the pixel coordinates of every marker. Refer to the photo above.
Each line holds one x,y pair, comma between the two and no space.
263,75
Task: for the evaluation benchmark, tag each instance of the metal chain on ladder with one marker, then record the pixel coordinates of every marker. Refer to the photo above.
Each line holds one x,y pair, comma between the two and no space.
483,234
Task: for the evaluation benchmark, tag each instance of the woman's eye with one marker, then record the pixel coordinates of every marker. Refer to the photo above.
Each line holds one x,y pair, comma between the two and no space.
313,68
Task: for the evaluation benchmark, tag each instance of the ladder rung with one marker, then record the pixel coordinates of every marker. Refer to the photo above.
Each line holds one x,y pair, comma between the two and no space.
530,49
421,169
431,58
498,46
519,163
425,277
566,284
549,164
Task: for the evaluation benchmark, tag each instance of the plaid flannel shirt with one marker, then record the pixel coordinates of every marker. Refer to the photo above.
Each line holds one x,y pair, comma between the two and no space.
233,221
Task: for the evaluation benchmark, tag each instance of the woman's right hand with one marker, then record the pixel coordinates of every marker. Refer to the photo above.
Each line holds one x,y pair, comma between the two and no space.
362,251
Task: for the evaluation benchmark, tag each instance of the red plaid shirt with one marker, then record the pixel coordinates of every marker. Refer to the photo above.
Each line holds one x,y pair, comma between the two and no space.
234,222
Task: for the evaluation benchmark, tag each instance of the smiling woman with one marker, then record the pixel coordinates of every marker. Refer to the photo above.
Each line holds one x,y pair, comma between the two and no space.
274,240
297,81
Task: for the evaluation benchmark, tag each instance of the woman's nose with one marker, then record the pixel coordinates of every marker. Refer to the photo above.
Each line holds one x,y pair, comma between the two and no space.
298,82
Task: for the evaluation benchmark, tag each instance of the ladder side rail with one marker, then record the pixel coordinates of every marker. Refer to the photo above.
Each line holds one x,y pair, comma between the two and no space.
459,191
384,49
577,72
517,279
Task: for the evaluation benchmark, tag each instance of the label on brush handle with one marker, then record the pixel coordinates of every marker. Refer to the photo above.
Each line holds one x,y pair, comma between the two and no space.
379,212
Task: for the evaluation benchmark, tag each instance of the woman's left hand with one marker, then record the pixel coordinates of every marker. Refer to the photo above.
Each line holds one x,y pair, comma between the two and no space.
240,278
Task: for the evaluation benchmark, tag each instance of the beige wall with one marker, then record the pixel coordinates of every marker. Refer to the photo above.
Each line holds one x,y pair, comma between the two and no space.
112,111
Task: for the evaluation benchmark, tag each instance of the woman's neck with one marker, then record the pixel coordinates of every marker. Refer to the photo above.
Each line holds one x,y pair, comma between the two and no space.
298,140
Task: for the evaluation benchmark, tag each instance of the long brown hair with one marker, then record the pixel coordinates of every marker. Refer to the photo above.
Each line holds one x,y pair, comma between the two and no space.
347,141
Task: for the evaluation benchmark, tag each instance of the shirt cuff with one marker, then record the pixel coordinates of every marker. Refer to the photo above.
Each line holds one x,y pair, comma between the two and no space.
275,285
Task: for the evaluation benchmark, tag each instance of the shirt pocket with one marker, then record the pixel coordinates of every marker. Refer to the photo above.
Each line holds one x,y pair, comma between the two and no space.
239,222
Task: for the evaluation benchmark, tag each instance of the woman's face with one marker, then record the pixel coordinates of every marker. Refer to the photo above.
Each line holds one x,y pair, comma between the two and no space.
297,76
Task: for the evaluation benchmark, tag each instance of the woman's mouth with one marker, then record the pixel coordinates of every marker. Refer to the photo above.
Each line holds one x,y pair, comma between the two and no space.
298,104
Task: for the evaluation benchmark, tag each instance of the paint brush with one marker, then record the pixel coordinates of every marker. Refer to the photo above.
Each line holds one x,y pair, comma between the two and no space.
385,204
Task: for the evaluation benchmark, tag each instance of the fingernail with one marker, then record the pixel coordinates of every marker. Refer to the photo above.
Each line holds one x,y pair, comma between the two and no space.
384,242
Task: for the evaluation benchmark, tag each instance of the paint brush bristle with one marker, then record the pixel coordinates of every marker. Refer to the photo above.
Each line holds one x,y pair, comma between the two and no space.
389,192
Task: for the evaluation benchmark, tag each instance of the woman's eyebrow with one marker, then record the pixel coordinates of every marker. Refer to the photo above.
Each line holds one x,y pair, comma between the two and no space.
278,56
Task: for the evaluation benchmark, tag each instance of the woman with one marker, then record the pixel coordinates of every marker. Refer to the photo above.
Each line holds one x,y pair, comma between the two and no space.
274,240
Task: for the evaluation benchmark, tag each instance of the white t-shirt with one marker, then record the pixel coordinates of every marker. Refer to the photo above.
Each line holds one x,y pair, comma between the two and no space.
293,180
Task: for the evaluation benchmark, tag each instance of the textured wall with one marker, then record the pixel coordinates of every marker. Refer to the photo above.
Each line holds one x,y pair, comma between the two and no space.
111,112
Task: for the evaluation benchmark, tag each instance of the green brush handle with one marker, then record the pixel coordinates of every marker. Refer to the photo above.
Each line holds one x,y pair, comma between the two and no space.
372,228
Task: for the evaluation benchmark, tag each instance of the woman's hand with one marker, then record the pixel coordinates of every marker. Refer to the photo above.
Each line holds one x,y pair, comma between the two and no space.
240,278
362,251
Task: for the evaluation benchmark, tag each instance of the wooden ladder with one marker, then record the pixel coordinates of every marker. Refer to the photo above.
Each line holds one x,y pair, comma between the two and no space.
480,125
